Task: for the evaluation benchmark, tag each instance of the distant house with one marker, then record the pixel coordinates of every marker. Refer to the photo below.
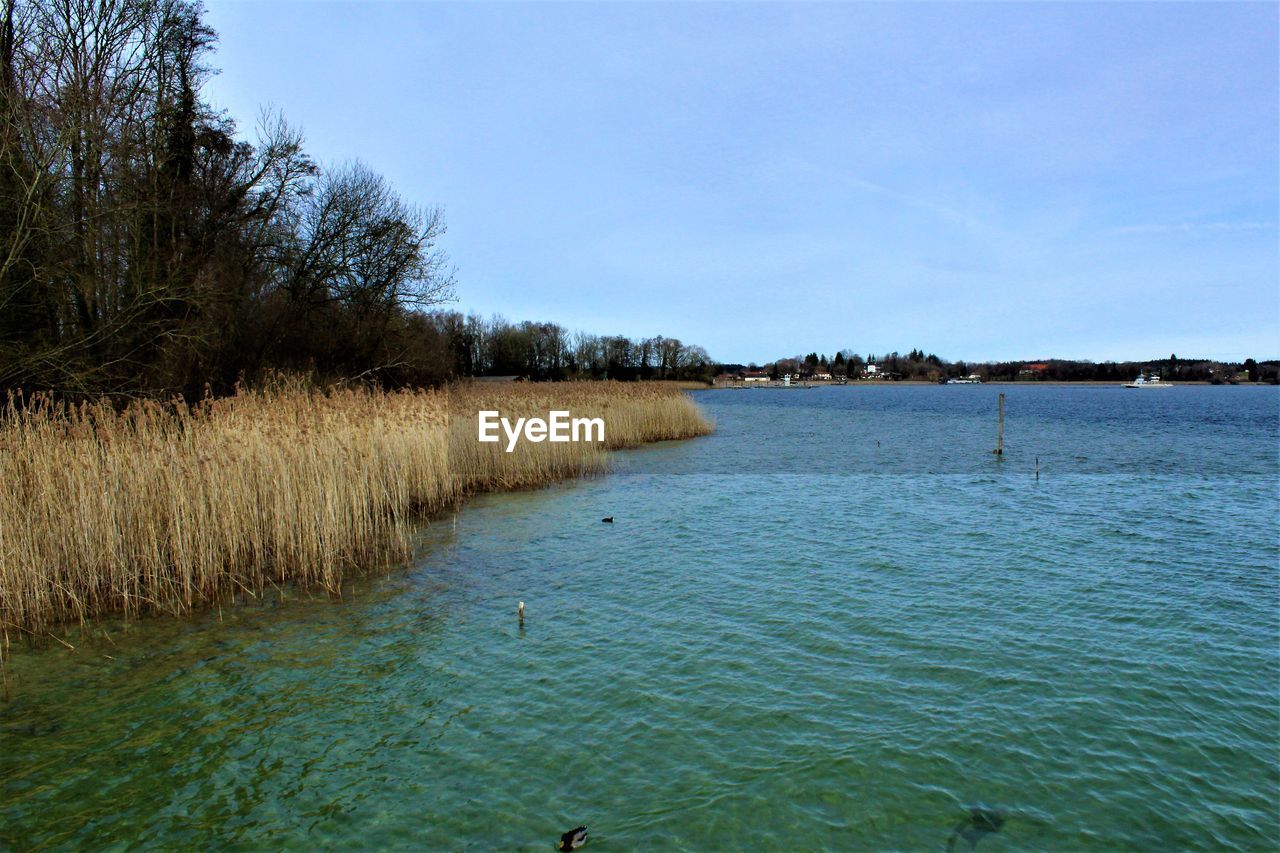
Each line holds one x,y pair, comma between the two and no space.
822,377
755,376
871,371
727,379
1033,371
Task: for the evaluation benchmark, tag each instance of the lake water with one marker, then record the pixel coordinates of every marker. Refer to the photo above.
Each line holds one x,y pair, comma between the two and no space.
839,622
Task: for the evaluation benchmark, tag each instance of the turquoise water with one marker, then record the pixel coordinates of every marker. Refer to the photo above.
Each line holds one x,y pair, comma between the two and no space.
839,622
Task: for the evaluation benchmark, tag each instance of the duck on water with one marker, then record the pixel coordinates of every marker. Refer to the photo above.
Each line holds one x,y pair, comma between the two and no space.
574,838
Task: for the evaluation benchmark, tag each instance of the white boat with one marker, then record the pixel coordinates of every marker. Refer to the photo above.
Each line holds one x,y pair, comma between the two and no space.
971,379
1148,380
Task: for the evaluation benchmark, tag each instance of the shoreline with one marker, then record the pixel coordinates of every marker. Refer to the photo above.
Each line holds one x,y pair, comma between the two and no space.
1001,382
168,509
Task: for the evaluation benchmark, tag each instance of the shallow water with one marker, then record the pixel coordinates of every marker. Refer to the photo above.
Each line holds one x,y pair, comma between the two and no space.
838,622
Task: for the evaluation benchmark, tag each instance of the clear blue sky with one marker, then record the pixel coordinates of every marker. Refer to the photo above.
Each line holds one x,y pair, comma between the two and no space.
985,181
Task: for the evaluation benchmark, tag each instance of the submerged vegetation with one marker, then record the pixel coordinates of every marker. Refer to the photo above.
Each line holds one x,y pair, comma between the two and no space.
161,507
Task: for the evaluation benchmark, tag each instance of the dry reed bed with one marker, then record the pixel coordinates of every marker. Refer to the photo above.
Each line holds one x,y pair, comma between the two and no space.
162,508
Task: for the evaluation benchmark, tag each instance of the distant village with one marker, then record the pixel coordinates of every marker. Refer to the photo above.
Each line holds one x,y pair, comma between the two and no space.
869,372
846,367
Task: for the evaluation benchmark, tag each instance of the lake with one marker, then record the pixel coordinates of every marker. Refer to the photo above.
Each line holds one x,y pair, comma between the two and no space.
839,622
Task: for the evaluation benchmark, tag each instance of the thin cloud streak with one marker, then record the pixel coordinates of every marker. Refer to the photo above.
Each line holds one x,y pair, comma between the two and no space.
1190,227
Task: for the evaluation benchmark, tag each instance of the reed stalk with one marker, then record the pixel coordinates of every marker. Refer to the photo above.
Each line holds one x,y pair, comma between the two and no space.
163,508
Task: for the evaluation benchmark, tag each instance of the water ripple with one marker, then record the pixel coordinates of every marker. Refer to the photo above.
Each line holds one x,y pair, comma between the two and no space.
790,638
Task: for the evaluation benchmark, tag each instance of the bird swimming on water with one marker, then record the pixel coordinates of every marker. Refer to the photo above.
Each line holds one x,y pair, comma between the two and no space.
574,838
608,520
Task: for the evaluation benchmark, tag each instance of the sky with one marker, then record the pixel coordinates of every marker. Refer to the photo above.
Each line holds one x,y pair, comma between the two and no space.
981,180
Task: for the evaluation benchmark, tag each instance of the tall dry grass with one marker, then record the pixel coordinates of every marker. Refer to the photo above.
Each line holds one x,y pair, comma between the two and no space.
163,508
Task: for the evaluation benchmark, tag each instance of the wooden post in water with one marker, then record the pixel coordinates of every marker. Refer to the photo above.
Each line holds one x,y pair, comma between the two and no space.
1037,469
1000,434
520,611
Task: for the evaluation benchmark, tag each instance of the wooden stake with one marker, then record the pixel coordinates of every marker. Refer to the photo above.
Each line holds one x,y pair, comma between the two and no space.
1037,469
999,451
520,611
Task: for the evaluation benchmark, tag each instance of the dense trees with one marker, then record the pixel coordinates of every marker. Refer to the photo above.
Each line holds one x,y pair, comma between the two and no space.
547,351
143,247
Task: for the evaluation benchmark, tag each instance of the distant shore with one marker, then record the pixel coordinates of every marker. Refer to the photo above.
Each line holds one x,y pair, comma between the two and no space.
1001,382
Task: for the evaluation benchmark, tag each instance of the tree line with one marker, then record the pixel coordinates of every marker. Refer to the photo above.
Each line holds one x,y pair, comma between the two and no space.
917,366
548,351
147,248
